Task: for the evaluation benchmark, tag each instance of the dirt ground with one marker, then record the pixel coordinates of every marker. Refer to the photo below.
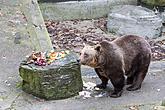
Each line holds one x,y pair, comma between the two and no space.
72,34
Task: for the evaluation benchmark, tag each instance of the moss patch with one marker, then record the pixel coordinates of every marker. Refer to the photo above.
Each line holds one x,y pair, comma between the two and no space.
154,2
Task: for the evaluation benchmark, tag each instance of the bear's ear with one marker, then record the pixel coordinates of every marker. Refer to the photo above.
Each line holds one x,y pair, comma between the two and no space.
98,48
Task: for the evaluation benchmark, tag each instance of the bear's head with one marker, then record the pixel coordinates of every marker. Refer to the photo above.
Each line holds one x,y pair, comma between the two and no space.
92,56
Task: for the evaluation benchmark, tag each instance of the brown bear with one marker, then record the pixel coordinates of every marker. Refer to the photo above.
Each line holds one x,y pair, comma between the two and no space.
128,55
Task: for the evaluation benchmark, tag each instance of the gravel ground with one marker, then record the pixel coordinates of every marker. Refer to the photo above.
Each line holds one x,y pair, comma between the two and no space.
72,34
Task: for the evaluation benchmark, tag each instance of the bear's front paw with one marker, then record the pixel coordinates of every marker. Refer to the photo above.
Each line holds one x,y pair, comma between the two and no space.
101,86
116,94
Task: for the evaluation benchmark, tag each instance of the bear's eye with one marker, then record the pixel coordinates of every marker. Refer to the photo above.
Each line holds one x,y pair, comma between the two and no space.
86,55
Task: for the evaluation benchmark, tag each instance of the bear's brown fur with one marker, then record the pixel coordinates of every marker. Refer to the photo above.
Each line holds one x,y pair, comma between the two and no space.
128,55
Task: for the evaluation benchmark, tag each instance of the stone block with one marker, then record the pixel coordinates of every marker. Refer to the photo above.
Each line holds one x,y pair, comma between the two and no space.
61,79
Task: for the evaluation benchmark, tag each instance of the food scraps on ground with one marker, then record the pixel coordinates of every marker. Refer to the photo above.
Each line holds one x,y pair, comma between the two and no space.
45,58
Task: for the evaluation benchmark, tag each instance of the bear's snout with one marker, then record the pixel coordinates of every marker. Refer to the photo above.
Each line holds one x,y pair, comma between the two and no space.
78,60
81,62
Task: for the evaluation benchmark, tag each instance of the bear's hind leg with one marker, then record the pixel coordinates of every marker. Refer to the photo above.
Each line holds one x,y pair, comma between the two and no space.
129,80
135,85
131,77
137,81
140,74
104,80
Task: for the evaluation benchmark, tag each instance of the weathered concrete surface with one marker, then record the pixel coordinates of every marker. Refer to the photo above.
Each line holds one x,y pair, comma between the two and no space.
80,9
151,94
14,45
136,20
154,106
61,79
36,28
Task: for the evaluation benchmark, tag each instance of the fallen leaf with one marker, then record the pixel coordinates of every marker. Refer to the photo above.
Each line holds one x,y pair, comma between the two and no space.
1,14
134,107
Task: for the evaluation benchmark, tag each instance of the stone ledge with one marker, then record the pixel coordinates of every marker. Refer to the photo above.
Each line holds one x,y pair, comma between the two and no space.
80,9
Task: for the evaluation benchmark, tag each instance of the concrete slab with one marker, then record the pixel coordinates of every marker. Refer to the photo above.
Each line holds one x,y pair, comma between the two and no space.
36,28
80,9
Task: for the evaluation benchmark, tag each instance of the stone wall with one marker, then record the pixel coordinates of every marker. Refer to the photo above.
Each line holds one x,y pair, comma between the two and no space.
80,9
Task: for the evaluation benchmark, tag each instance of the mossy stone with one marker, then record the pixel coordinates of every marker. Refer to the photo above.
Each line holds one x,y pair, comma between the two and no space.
154,2
163,103
61,79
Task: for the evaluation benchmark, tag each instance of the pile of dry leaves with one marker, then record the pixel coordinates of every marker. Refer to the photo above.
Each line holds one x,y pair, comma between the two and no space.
158,49
72,34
